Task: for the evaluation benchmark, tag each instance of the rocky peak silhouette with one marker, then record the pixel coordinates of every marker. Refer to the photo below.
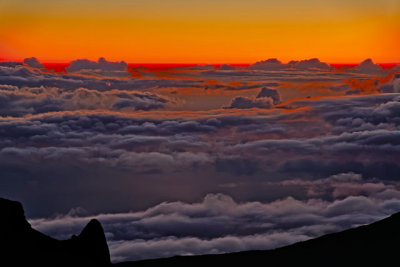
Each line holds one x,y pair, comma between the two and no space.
22,245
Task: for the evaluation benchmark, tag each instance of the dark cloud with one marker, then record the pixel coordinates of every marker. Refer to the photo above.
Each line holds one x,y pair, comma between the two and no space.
314,169
241,102
267,92
101,64
236,166
197,67
393,86
328,137
226,67
10,64
33,63
368,66
269,64
396,68
16,102
309,64
20,76
274,64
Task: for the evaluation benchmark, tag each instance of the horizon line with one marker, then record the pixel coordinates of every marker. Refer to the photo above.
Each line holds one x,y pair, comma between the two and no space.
194,63
199,63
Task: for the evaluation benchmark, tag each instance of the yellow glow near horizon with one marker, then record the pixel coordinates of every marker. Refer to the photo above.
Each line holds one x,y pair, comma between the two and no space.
205,31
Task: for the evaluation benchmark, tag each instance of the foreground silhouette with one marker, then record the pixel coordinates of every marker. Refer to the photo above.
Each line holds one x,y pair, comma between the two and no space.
20,245
377,244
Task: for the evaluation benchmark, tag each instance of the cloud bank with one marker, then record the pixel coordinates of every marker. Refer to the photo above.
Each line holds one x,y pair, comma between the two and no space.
299,152
219,224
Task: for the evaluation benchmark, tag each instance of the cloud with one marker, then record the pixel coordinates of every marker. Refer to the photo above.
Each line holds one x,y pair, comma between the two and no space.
226,67
33,63
219,224
309,64
315,138
313,168
368,66
274,64
19,102
197,67
236,166
341,185
267,92
22,76
396,68
393,86
321,137
241,102
10,64
269,64
277,173
101,64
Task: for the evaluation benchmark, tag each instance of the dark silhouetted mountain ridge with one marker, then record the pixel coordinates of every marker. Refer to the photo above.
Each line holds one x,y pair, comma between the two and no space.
21,245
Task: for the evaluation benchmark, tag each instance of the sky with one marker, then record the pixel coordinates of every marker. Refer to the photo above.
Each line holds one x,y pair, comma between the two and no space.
218,31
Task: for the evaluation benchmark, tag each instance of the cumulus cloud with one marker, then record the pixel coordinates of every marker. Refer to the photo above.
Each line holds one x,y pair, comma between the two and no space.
101,68
272,93
226,67
368,66
101,64
33,63
274,64
241,102
309,64
269,64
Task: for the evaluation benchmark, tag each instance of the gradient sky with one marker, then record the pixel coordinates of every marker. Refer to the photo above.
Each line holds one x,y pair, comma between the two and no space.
200,31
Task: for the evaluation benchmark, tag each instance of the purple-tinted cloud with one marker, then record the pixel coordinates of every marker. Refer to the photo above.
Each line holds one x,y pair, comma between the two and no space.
33,63
246,102
368,66
101,64
272,93
269,64
219,224
309,64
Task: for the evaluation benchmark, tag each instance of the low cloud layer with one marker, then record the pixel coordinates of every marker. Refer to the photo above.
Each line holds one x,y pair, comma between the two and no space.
219,224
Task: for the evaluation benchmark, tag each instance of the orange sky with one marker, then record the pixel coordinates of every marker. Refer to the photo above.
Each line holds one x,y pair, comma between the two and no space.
200,31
